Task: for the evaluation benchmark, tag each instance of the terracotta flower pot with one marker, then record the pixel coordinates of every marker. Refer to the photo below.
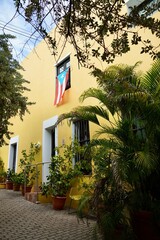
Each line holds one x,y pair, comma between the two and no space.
16,186
144,226
9,185
58,202
25,189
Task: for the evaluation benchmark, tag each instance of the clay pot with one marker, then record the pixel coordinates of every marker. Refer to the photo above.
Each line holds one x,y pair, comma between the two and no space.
9,185
16,186
144,227
58,202
25,189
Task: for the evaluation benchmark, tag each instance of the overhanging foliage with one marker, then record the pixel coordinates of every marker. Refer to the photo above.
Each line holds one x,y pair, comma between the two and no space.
12,89
98,28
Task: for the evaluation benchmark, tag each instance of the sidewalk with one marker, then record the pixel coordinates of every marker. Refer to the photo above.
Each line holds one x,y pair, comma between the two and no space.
21,219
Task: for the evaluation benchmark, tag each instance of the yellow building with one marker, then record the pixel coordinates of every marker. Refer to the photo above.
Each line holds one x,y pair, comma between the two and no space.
41,69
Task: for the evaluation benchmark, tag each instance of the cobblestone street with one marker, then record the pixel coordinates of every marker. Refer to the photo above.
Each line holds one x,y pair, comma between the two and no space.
21,219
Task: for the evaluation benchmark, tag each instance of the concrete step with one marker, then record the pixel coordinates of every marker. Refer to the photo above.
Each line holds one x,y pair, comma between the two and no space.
37,197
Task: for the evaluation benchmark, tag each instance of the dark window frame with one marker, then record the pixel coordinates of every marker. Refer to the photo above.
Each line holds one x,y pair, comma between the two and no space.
53,144
62,66
82,136
14,147
146,4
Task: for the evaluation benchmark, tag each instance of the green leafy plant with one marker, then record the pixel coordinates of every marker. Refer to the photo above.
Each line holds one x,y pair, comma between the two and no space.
115,30
10,173
12,89
3,173
27,164
127,145
62,174
60,178
18,178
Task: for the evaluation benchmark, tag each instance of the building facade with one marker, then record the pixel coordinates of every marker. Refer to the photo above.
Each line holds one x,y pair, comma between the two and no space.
42,70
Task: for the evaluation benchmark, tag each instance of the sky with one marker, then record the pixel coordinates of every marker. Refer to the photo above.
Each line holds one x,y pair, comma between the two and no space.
17,27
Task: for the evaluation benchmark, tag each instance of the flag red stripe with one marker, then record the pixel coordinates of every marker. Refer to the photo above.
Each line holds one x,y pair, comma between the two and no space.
60,89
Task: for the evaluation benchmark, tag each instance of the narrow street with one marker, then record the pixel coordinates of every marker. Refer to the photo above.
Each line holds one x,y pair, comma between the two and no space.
21,219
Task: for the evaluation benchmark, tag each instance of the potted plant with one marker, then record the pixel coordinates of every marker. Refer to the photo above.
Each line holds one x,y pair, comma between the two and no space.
58,182
61,176
27,165
3,175
9,183
145,212
128,142
17,179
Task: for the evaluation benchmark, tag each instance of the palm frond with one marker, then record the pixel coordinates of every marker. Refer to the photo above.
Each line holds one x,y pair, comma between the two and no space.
146,160
151,115
99,95
107,144
151,80
93,93
99,111
116,75
106,130
78,114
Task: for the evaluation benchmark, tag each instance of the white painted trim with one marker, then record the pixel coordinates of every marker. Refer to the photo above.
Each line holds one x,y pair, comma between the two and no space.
14,140
46,144
132,3
62,60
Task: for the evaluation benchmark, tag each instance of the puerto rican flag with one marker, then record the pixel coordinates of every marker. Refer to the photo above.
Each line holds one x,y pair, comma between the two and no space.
61,82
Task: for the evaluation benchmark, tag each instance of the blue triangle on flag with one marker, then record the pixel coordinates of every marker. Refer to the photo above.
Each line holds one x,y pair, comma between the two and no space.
61,77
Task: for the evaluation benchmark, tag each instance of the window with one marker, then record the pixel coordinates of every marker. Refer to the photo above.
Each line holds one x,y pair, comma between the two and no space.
152,6
132,3
82,136
141,4
139,131
50,142
61,67
81,132
14,146
13,152
53,142
63,79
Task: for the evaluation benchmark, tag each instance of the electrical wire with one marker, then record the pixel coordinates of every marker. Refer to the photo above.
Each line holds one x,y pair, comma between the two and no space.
15,29
13,26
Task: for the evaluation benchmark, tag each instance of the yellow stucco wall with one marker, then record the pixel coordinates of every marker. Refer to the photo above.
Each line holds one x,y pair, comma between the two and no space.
40,70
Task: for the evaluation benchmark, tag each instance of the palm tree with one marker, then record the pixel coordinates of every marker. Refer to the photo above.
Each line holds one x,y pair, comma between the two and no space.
127,142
